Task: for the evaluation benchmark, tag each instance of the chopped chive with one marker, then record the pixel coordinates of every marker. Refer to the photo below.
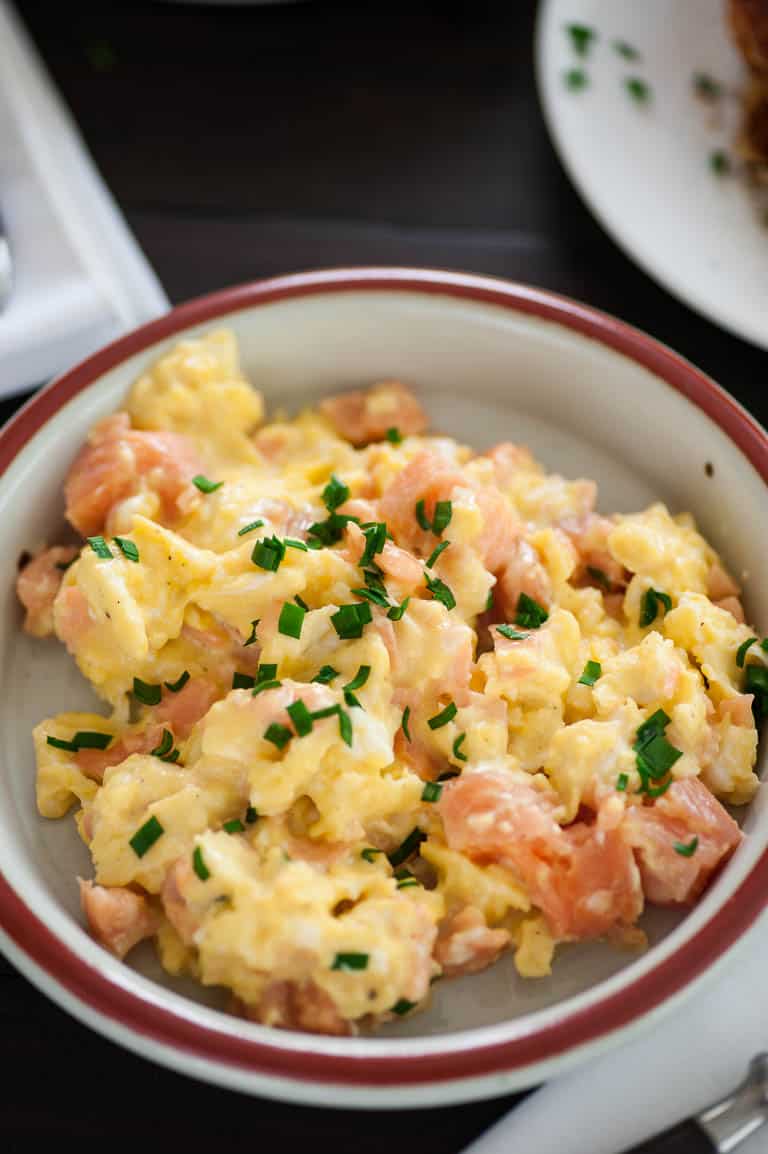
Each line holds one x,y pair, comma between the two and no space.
406,880
328,711
204,485
430,562
360,678
394,436
600,576
397,611
301,718
375,596
59,743
443,717
404,722
442,517
626,50
349,620
261,686
249,528
201,869
165,746
100,547
706,86
243,681
326,675
741,652
127,548
622,781
345,727
592,671
268,554
330,531
440,592
334,494
421,516
146,836
719,162
529,613
510,633
375,538
575,79
145,693
86,739
402,1006
350,962
651,727
686,850
658,756
172,756
649,606
279,735
457,747
489,601
252,635
301,603
266,672
293,543
756,682
369,853
431,791
406,848
581,37
251,815
234,826
637,89
175,686
291,620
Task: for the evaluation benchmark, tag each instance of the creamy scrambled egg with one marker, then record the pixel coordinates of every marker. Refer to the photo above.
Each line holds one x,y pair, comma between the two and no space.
379,709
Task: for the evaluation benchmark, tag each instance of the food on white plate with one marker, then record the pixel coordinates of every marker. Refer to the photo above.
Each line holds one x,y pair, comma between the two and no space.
749,25
381,709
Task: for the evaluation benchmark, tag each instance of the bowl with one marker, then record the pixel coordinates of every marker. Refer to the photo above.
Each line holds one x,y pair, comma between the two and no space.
492,361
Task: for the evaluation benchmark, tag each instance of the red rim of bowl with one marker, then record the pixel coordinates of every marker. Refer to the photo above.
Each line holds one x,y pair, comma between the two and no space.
166,1027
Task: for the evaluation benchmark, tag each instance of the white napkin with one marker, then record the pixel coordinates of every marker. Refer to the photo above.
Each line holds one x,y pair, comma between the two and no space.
80,277
681,1065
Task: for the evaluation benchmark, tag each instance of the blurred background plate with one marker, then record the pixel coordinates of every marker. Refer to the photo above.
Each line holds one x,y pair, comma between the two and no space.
644,166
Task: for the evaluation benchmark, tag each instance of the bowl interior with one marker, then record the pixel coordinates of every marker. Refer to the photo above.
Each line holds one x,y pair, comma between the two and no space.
486,374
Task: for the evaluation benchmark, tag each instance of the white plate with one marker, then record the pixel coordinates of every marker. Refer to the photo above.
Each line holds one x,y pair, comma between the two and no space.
492,361
644,169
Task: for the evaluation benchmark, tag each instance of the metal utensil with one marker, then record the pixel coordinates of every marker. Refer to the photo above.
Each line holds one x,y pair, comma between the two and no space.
6,267
722,1127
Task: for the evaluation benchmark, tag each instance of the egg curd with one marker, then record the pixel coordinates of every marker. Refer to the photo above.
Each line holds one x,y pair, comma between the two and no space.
379,709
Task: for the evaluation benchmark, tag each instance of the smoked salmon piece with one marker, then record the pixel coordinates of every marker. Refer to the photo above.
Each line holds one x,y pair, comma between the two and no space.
38,583
363,416
117,917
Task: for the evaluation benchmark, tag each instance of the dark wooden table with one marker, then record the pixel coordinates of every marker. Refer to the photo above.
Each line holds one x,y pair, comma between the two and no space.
242,142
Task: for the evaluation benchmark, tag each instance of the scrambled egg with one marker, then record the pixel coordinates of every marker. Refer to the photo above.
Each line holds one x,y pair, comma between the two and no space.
380,708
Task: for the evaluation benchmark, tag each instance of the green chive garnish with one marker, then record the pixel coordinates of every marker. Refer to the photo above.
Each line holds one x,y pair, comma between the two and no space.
350,620
165,746
402,1006
301,718
266,672
127,548
243,681
421,516
375,538
575,79
686,850
442,517
406,880
592,671
350,962
100,547
146,836
268,553
510,633
489,602
334,494
431,791
394,436
86,739
252,636
457,747
301,603
369,853
345,727
581,37
175,686
637,89
756,682
600,576
261,686
529,613
145,693
430,562
622,781
406,848
326,675
397,611
201,869
375,596
360,678
279,735
293,543
626,50
741,652
649,606
234,826
291,620
719,162
204,485
440,591
404,722
249,528
443,717
59,743
251,815
652,726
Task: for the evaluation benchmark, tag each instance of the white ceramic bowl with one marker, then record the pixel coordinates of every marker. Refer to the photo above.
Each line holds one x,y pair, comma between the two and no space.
492,361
